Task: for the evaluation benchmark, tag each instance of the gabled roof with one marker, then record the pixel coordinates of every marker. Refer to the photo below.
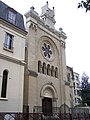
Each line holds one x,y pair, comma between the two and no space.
4,11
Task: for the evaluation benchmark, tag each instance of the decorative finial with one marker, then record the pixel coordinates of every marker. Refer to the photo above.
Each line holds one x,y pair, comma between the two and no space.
47,2
60,29
32,8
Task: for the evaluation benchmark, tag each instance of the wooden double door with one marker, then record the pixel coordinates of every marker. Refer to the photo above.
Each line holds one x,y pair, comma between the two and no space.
47,105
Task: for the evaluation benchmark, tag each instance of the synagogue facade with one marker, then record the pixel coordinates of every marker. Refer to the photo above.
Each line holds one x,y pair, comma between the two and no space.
45,73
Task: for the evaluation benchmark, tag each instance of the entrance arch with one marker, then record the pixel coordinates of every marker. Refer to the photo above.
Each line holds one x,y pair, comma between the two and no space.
49,96
48,90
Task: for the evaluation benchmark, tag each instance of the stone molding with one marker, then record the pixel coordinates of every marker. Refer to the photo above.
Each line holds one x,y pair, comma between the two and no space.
9,25
63,44
14,60
41,22
32,73
48,86
33,26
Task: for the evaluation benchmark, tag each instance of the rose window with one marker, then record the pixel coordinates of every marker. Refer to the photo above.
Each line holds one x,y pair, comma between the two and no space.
47,50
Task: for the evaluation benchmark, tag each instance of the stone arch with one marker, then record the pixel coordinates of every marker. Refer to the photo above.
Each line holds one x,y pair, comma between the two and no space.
48,90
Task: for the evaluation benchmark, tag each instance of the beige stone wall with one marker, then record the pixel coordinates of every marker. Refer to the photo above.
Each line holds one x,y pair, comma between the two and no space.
18,43
76,88
44,85
68,97
14,97
13,61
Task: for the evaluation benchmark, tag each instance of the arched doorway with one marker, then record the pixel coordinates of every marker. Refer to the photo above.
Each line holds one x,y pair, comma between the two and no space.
49,98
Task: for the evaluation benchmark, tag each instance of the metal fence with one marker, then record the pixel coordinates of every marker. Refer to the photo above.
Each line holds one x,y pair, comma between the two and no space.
58,113
41,116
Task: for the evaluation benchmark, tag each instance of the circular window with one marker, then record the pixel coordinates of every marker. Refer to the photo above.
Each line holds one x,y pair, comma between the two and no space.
47,50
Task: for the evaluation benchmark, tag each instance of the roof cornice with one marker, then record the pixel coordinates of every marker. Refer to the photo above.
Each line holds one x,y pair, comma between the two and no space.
12,26
41,22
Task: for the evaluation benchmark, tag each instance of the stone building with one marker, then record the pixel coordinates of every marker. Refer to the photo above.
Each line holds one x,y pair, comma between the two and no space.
45,86
74,89
33,72
70,79
12,56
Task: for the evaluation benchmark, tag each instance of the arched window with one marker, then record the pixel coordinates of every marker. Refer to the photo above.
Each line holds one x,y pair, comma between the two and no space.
56,72
48,69
44,68
68,77
4,84
52,71
39,66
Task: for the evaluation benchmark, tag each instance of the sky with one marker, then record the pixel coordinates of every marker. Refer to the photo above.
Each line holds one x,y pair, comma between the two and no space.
74,22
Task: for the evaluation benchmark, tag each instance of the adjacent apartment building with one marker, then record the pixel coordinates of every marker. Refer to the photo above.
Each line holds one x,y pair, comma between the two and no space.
12,56
74,80
76,89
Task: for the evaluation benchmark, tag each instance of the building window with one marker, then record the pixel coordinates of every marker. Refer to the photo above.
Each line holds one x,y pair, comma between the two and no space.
74,92
47,50
52,71
11,17
77,78
44,68
68,77
56,72
78,100
74,85
77,85
48,70
75,100
4,84
8,41
39,67
78,92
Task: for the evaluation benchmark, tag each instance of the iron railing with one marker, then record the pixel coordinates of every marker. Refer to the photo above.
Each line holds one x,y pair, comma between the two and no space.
41,116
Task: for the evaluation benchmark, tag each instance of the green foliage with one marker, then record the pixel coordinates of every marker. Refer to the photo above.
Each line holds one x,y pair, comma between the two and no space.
85,90
85,4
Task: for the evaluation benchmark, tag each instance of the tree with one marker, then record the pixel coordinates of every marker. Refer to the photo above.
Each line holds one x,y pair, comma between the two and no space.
85,4
85,90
